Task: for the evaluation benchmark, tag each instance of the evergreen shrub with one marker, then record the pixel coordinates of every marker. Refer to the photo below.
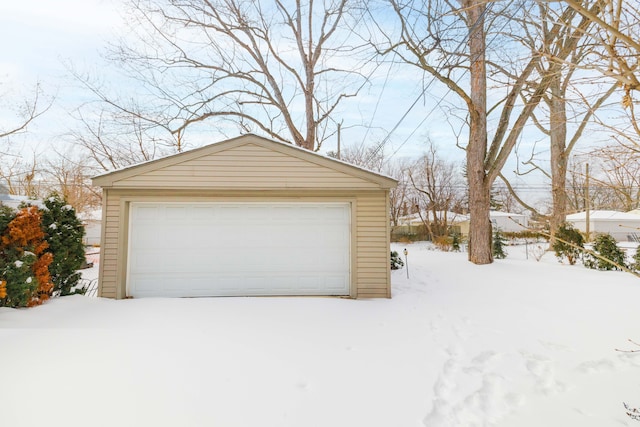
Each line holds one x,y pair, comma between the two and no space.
498,245
456,240
65,234
569,243
607,247
396,261
635,265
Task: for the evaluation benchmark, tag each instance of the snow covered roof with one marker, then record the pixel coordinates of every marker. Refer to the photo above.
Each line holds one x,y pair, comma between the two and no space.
94,215
495,214
14,201
12,197
604,215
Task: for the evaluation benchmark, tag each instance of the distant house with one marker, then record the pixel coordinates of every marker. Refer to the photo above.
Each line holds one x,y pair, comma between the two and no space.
14,201
509,222
92,222
623,226
506,222
419,218
414,225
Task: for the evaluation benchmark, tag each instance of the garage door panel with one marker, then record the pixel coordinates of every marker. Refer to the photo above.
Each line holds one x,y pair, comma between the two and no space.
152,286
335,282
208,249
202,213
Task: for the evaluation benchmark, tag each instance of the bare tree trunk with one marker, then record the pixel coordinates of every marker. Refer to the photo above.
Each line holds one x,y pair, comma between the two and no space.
479,185
424,26
558,138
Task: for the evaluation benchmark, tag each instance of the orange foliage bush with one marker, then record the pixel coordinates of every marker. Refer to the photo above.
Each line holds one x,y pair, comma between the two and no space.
24,233
45,285
444,243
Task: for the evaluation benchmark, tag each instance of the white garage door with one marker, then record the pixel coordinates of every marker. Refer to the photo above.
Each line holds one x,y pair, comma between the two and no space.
215,249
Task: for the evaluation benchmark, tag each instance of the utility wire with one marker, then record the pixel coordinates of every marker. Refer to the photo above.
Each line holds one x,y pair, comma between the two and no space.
437,104
375,110
424,90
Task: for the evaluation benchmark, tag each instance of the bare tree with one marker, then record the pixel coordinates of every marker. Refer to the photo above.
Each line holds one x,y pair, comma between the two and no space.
70,177
278,68
367,156
617,175
21,176
18,175
596,192
401,195
114,141
372,157
504,198
27,112
618,34
567,94
431,36
621,169
439,187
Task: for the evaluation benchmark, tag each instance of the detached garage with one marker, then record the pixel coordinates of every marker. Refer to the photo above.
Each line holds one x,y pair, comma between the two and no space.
246,216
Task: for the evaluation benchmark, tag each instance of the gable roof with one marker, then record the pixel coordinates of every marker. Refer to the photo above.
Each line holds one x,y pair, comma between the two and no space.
304,156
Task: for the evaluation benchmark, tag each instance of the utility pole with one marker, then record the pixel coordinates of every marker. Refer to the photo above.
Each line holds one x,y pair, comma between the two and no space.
587,203
339,129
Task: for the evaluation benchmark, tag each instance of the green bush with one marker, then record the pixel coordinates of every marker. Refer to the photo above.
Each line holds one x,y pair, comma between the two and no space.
6,216
524,234
611,256
40,253
636,260
456,239
21,284
396,261
569,243
64,233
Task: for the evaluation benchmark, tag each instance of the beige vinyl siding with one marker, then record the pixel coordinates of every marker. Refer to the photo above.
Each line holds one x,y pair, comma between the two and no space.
370,269
245,166
251,169
372,245
110,245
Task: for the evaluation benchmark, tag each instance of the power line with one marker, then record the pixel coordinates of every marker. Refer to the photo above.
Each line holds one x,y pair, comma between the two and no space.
424,90
459,78
375,110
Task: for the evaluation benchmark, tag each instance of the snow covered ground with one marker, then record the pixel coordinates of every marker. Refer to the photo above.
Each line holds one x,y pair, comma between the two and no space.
516,343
